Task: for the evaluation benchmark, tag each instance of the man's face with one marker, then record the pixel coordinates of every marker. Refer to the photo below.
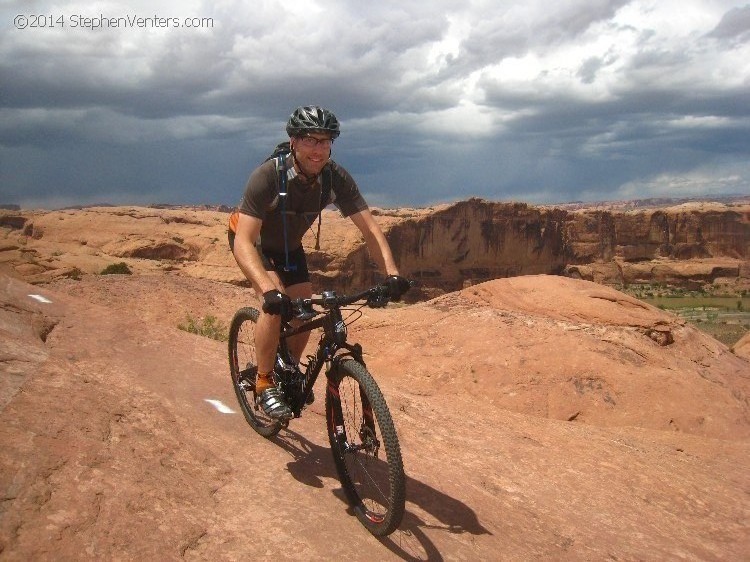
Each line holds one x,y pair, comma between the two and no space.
312,152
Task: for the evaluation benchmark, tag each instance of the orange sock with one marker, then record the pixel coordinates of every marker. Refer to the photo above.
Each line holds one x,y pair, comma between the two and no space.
263,382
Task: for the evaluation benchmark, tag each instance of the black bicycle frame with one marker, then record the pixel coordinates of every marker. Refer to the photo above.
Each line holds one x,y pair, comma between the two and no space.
331,342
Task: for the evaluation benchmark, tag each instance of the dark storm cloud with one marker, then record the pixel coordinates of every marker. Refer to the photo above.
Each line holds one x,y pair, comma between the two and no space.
735,25
439,101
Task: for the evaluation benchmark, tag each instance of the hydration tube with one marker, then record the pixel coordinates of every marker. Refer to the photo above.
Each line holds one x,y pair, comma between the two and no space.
281,167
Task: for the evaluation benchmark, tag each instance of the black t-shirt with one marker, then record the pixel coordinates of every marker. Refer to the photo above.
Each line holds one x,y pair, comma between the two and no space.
303,204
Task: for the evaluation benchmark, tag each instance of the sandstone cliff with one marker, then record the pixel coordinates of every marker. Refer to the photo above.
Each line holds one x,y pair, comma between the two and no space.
445,248
474,241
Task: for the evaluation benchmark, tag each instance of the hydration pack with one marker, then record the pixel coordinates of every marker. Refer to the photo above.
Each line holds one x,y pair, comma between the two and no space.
279,154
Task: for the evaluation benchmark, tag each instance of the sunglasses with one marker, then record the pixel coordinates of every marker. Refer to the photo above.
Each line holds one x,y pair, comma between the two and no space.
312,142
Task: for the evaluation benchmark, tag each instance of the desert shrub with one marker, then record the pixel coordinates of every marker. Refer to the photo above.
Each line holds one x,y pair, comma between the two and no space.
208,326
117,268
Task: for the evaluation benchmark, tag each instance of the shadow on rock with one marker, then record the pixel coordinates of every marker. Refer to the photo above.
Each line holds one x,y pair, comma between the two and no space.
312,462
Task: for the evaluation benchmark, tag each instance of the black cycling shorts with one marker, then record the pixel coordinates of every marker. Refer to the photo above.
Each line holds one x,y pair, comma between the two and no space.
296,272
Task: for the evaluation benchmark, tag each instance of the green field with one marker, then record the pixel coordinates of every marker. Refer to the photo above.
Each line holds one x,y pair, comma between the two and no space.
726,318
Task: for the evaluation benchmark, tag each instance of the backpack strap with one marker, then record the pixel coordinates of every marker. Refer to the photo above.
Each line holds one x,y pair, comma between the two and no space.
281,170
325,194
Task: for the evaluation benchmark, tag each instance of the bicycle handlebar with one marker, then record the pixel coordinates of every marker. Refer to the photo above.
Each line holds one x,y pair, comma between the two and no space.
377,297
329,299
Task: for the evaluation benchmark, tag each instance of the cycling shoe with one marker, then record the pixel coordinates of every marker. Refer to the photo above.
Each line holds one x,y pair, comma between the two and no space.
273,404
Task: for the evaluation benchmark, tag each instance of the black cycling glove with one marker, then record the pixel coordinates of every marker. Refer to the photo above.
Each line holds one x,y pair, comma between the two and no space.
276,302
397,286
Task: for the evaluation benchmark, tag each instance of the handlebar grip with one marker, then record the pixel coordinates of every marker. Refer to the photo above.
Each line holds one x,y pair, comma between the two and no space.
379,296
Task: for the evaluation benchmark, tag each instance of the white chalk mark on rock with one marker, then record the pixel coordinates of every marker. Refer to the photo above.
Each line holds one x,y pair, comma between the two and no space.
220,406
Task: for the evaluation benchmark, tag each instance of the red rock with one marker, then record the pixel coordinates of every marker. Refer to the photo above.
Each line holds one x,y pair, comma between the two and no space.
537,419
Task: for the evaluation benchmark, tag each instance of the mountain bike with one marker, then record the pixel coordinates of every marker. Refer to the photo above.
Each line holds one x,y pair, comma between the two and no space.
363,438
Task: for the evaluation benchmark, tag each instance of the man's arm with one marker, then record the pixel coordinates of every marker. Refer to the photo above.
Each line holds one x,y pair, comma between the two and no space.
378,246
248,230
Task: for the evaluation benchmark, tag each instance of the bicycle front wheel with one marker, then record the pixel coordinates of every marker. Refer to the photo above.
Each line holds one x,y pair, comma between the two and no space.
365,447
243,365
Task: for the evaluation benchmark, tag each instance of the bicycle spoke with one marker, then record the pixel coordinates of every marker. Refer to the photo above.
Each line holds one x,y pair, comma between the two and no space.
374,486
243,367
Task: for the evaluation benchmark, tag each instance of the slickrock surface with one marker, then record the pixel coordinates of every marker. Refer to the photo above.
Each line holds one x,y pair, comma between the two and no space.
539,418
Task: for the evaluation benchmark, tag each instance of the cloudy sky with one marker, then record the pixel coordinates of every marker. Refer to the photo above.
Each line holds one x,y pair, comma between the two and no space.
439,100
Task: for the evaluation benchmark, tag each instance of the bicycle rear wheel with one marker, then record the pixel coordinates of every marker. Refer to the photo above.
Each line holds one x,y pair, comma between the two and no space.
365,447
243,365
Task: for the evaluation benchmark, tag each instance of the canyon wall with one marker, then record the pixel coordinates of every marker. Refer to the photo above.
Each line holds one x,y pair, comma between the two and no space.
444,248
474,241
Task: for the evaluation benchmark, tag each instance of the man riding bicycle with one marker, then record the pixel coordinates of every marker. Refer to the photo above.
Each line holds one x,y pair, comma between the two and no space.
282,199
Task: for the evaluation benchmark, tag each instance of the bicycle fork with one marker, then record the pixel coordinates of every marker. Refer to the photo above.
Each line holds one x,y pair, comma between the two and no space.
366,433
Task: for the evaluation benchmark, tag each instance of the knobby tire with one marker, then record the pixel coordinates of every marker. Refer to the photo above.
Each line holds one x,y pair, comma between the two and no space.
365,447
243,366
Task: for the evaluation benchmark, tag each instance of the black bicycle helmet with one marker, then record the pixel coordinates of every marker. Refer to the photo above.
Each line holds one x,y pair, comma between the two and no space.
312,119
